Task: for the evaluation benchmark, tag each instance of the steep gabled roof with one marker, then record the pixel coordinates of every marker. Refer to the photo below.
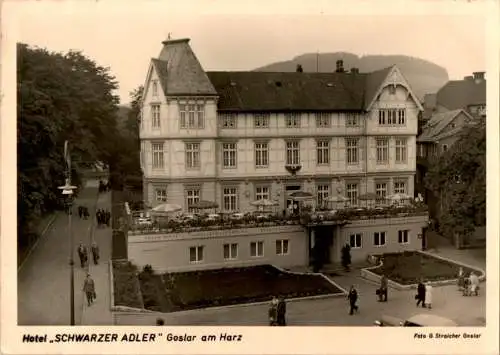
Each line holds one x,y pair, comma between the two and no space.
268,91
180,71
459,94
373,82
432,130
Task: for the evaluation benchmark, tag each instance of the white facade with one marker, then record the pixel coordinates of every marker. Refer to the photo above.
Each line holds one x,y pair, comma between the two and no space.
189,149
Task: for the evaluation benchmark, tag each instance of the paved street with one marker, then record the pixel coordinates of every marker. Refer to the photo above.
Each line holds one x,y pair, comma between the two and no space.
43,280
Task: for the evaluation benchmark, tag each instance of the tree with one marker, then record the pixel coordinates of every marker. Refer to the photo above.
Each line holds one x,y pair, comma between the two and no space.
458,178
59,97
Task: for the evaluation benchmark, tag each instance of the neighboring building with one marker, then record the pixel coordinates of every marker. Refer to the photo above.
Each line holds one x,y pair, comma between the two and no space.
236,137
468,94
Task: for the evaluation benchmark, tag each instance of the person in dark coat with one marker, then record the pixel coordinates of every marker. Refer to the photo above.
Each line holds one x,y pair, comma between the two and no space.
95,253
160,321
108,218
273,312
281,311
353,298
80,211
420,294
81,254
98,217
382,294
89,289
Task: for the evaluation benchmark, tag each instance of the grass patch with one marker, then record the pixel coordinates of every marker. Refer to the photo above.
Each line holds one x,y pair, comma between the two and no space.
126,287
409,267
210,288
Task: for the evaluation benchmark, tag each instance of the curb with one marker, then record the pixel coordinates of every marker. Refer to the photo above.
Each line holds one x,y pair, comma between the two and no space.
371,276
42,235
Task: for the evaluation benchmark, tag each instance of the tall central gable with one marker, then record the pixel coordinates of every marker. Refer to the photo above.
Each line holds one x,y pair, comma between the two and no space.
180,71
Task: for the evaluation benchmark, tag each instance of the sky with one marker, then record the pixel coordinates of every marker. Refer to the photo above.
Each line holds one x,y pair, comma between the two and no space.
125,35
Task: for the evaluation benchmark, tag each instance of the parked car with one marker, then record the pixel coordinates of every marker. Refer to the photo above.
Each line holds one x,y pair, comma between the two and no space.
418,320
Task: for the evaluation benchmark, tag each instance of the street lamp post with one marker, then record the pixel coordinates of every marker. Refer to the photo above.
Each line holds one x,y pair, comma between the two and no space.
67,191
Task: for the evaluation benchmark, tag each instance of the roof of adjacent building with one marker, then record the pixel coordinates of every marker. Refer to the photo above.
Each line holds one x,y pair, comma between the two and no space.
459,94
432,129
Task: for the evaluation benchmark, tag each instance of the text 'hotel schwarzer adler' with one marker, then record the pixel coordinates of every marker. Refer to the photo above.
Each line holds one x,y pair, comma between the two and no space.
236,137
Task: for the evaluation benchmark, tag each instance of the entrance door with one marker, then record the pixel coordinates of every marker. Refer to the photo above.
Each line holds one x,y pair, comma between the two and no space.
292,207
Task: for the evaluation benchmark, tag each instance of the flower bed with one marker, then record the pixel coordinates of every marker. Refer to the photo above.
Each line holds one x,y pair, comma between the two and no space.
125,285
409,267
223,287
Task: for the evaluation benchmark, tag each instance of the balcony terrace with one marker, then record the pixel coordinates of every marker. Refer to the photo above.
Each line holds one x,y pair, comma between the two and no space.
191,223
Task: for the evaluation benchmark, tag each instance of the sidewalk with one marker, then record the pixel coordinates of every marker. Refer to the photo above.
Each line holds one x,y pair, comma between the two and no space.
99,313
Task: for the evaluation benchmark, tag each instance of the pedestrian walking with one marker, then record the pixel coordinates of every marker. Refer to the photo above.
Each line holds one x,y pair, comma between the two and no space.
420,297
472,285
353,298
98,217
108,218
428,295
281,311
273,312
81,254
382,291
86,213
89,289
461,279
160,321
80,211
95,253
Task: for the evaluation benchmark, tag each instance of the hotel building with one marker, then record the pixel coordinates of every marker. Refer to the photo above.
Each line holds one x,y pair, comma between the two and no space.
235,137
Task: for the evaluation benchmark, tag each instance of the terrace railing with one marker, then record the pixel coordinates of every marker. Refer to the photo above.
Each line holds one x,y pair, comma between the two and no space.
341,216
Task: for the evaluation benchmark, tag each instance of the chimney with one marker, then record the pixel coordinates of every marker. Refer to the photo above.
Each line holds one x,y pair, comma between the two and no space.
478,76
469,78
299,68
340,66
354,70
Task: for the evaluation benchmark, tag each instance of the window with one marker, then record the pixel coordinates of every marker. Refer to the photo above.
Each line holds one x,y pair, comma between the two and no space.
400,187
379,239
228,155
257,249
352,120
155,113
261,155
381,189
230,251
292,120
352,150
403,237
323,152
445,147
401,150
157,149
196,254
382,151
282,247
352,193
323,191
161,195
230,198
292,153
402,116
262,193
392,117
228,120
261,120
192,155
192,115
355,240
323,120
192,197
155,88
392,90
